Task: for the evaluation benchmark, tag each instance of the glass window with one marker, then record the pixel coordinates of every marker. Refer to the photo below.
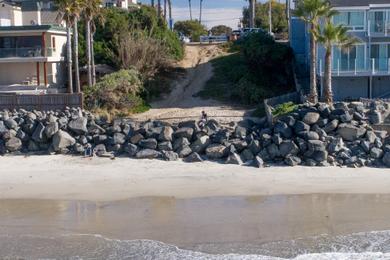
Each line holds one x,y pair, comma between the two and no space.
353,20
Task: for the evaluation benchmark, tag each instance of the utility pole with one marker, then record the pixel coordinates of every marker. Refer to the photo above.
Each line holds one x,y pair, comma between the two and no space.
189,4
200,12
170,15
159,8
270,16
152,3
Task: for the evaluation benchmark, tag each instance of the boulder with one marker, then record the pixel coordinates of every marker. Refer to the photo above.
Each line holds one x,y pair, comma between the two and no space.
331,126
184,151
273,151
148,154
386,159
216,151
301,127
149,143
288,148
22,135
283,129
247,155
258,162
350,132
95,129
166,134
165,146
254,146
200,144
135,139
240,132
50,129
62,140
311,135
39,133
11,123
180,142
78,125
194,157
316,145
130,149
100,150
3,128
375,117
32,146
292,160
234,158
184,132
13,144
376,153
169,156
311,118
118,138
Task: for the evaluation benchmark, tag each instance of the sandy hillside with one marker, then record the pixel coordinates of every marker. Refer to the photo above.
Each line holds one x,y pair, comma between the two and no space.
180,103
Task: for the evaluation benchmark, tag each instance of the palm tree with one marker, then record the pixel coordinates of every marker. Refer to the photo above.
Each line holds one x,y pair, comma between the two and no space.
91,9
170,13
328,36
252,13
159,8
200,11
68,11
189,5
152,3
311,11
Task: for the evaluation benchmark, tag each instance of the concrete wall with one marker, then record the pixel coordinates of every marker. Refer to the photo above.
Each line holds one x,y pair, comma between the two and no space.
60,44
31,16
350,87
380,86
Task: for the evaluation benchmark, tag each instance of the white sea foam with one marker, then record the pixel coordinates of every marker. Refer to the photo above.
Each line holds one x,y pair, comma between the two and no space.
359,246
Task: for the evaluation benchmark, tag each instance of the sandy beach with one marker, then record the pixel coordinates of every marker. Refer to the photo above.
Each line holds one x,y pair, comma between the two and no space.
99,179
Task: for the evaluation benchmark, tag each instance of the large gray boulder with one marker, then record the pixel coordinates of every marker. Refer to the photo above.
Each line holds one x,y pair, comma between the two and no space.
11,123
170,156
118,138
316,145
288,148
149,143
331,126
200,144
234,158
283,129
165,146
130,149
386,159
350,132
13,144
216,151
78,125
194,157
180,142
185,132
39,133
148,154
292,160
135,139
166,134
62,140
311,118
50,129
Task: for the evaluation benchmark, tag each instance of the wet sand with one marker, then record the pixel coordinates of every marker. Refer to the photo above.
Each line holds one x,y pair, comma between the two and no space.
244,225
75,178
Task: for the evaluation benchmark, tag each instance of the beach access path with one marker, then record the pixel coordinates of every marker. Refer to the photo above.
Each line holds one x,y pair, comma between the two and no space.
101,179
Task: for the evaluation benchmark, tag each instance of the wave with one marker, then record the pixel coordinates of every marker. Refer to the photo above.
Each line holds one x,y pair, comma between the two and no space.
358,246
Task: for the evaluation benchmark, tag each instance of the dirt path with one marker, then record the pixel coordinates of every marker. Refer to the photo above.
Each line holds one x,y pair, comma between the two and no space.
181,103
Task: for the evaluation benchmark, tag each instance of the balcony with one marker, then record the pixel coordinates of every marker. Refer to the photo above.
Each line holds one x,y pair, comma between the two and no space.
26,52
357,67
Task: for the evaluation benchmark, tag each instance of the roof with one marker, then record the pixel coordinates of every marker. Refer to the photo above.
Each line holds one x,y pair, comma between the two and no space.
348,3
46,27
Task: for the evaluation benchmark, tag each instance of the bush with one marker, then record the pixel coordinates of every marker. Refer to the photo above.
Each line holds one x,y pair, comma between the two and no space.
284,109
117,91
191,29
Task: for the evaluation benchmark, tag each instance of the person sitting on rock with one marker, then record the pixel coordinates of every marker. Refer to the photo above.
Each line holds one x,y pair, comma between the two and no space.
203,120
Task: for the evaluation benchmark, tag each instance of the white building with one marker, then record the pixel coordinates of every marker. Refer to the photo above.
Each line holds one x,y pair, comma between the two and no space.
125,4
32,47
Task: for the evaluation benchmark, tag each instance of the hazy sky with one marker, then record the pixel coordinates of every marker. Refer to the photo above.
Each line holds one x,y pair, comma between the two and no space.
215,12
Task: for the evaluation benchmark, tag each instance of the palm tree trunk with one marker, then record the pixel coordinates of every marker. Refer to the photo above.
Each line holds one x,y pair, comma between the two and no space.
76,56
328,76
69,58
189,5
313,62
170,14
88,40
93,60
165,9
252,11
152,3
159,8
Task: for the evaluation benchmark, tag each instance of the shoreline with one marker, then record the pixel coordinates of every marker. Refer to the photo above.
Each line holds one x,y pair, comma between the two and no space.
99,179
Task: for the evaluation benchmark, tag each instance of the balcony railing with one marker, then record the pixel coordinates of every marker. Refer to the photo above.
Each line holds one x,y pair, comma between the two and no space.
26,52
350,67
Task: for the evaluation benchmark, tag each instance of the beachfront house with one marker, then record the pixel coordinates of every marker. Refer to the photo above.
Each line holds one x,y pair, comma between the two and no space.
125,4
362,70
32,47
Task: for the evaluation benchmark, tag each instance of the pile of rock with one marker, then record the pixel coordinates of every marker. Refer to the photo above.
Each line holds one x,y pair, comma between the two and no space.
318,135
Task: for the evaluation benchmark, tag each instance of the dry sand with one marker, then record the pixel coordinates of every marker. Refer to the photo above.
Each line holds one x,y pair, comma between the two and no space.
98,179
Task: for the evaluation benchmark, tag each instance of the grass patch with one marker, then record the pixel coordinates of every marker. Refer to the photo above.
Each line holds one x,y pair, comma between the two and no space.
284,109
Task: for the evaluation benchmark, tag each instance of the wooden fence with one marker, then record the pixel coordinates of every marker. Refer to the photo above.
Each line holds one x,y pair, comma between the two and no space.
43,102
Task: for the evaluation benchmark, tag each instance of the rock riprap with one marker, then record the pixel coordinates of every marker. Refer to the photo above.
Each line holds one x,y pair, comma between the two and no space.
313,135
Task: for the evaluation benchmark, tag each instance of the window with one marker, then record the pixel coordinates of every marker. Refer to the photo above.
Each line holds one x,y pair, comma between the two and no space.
377,21
380,54
54,42
350,59
353,20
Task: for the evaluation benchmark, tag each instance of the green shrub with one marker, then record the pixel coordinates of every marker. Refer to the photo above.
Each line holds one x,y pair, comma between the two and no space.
192,29
284,109
117,91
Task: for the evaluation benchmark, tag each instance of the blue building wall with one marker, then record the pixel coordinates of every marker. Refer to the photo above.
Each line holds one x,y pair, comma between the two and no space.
299,42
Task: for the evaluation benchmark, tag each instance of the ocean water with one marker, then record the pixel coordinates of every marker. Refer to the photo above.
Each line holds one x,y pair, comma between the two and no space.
358,246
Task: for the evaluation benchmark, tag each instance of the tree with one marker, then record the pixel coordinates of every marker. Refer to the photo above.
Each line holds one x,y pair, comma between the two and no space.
170,14
221,29
311,11
191,29
69,10
91,9
279,20
329,36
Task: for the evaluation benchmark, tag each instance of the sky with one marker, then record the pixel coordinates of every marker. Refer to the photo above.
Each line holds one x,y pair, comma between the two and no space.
215,12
